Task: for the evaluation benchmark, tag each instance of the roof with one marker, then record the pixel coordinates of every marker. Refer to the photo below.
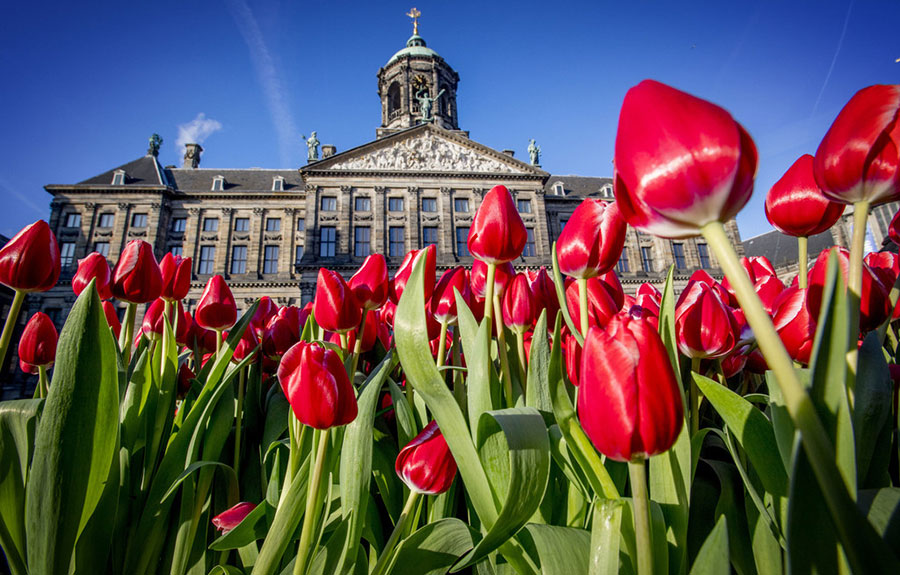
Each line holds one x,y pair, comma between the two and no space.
247,180
781,249
415,46
144,171
578,187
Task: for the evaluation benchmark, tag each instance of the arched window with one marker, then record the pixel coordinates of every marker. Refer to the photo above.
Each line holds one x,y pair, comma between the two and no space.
393,98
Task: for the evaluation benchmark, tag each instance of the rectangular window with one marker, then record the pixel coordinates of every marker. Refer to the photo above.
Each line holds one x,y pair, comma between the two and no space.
301,225
270,260
524,206
462,241
362,204
429,236
207,260
242,224
102,248
703,252
177,250
106,220
298,254
529,251
239,259
678,254
647,258
273,224
429,204
327,241
73,220
179,224
397,245
210,224
66,254
562,224
461,205
395,204
139,220
361,245
622,264
328,204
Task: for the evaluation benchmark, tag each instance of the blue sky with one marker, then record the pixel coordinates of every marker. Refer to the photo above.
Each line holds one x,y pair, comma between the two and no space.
85,84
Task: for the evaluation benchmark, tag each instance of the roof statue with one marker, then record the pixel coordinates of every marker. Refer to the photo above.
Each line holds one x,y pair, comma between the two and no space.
155,143
534,153
414,14
425,104
312,147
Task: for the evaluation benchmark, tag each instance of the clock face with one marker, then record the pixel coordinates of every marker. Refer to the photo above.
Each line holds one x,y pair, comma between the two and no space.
420,83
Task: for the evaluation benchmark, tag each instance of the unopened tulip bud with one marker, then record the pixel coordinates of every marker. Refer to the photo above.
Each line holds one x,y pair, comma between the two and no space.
370,283
336,308
176,277
93,267
37,346
136,277
592,240
316,385
426,465
29,262
217,310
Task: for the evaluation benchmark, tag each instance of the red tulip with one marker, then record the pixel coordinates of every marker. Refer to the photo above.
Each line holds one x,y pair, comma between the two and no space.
94,266
443,300
336,308
478,278
601,307
402,276
370,334
199,339
796,205
704,325
30,261
794,325
112,317
497,234
518,305
246,346
387,313
231,518
859,155
136,277
592,241
733,364
152,326
176,276
648,298
885,265
894,229
370,283
315,383
185,375
680,162
37,346
610,282
265,311
282,332
768,289
426,465
544,291
572,352
216,310
875,306
629,402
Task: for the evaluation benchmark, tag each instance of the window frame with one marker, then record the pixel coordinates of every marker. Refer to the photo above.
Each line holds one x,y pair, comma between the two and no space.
393,242
461,244
530,245
69,217
242,224
678,255
703,256
270,264
437,236
66,261
432,201
365,200
464,202
358,242
273,224
104,253
330,199
174,226
139,220
104,217
242,261
206,260
647,259
323,241
211,228
520,202
392,205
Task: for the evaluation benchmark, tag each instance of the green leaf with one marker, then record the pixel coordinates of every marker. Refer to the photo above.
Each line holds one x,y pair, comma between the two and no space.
882,507
561,550
729,506
537,394
767,553
251,528
515,452
230,475
872,414
477,349
433,549
561,296
18,424
670,486
225,570
605,530
713,556
77,439
667,326
284,525
403,415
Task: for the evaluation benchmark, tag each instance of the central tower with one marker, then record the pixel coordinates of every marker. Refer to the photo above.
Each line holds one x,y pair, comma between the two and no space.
417,86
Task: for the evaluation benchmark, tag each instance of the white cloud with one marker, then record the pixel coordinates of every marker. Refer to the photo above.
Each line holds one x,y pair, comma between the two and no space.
196,131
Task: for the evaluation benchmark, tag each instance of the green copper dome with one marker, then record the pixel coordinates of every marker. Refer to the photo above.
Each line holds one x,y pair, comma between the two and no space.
415,46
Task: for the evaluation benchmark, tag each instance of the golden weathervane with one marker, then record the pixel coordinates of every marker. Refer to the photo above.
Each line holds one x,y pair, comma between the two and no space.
414,14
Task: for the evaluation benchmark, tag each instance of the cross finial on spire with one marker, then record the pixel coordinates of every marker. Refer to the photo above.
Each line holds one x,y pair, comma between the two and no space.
414,14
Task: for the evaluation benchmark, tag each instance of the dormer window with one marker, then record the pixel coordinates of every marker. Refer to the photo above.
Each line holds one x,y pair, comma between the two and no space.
607,191
218,183
278,184
118,178
558,189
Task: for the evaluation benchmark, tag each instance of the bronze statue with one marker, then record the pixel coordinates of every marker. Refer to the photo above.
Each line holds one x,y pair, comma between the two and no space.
425,103
534,153
312,147
155,143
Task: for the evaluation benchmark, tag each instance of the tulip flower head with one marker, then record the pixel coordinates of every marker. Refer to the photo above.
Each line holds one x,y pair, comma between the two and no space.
443,300
406,266
795,326
370,283
592,241
681,162
875,304
497,234
316,385
29,262
231,518
629,402
136,277
704,324
176,277
37,346
336,307
518,307
112,317
796,205
93,267
426,465
217,310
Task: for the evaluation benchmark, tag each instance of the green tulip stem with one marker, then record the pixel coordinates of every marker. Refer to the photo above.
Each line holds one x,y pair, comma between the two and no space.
502,352
313,506
218,342
523,361
797,401
489,291
459,382
10,325
442,344
695,397
385,559
357,346
583,306
854,287
242,382
42,380
803,261
637,474
126,335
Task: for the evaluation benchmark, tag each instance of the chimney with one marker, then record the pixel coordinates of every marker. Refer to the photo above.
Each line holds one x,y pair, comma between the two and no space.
328,150
192,155
510,153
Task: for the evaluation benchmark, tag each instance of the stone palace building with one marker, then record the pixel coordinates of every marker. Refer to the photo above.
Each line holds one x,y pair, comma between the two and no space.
418,182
